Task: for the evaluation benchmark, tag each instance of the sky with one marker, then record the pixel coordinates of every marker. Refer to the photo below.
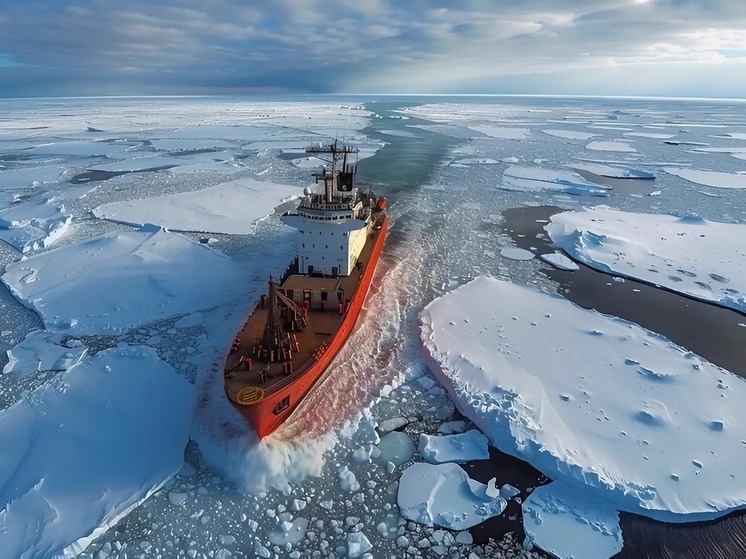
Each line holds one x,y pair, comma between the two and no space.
680,48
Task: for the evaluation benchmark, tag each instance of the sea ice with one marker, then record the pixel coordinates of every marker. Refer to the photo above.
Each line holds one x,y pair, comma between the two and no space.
613,171
111,283
612,145
619,419
559,261
502,132
535,178
82,450
135,164
44,351
31,226
568,524
690,255
231,207
460,448
443,495
13,179
514,253
570,134
715,179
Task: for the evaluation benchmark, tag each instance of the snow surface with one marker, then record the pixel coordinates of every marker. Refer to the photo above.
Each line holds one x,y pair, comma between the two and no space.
564,525
444,495
537,178
114,430
459,448
632,418
717,179
689,255
231,207
114,282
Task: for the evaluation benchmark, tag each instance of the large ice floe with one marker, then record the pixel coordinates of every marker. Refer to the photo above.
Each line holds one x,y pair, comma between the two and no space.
537,178
632,418
613,171
114,428
111,283
44,351
689,255
231,207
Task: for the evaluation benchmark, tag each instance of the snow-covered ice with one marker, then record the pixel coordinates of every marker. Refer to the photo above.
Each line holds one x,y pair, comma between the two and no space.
31,226
114,426
689,255
13,179
231,207
631,418
459,448
559,261
111,283
613,171
612,145
537,178
570,134
44,351
568,525
444,495
716,179
514,253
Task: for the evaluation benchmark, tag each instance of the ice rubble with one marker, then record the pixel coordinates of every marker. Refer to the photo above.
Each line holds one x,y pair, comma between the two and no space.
111,283
536,178
31,226
632,418
44,351
716,179
115,430
230,207
689,255
566,524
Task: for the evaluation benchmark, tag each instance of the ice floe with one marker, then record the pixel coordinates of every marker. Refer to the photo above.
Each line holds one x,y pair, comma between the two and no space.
716,179
613,171
559,261
570,134
514,253
538,178
44,351
114,427
632,418
462,447
690,255
111,283
612,145
502,132
12,179
230,207
565,524
444,495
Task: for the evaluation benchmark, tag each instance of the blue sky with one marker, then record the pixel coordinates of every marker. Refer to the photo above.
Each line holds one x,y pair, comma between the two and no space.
184,47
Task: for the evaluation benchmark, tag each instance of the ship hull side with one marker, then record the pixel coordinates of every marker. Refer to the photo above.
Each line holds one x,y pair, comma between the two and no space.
270,412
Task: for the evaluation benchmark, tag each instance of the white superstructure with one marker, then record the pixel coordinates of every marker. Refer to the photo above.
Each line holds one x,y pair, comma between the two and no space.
333,224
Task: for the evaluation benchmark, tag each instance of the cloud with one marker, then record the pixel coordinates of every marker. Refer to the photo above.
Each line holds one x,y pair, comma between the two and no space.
96,47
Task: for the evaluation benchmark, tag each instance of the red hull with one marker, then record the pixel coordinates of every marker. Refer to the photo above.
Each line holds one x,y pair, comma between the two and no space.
271,411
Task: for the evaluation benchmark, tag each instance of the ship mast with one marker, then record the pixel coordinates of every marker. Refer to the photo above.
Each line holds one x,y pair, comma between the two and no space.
332,179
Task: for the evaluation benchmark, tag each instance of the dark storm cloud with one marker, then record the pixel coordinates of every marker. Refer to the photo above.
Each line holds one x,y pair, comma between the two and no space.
91,47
